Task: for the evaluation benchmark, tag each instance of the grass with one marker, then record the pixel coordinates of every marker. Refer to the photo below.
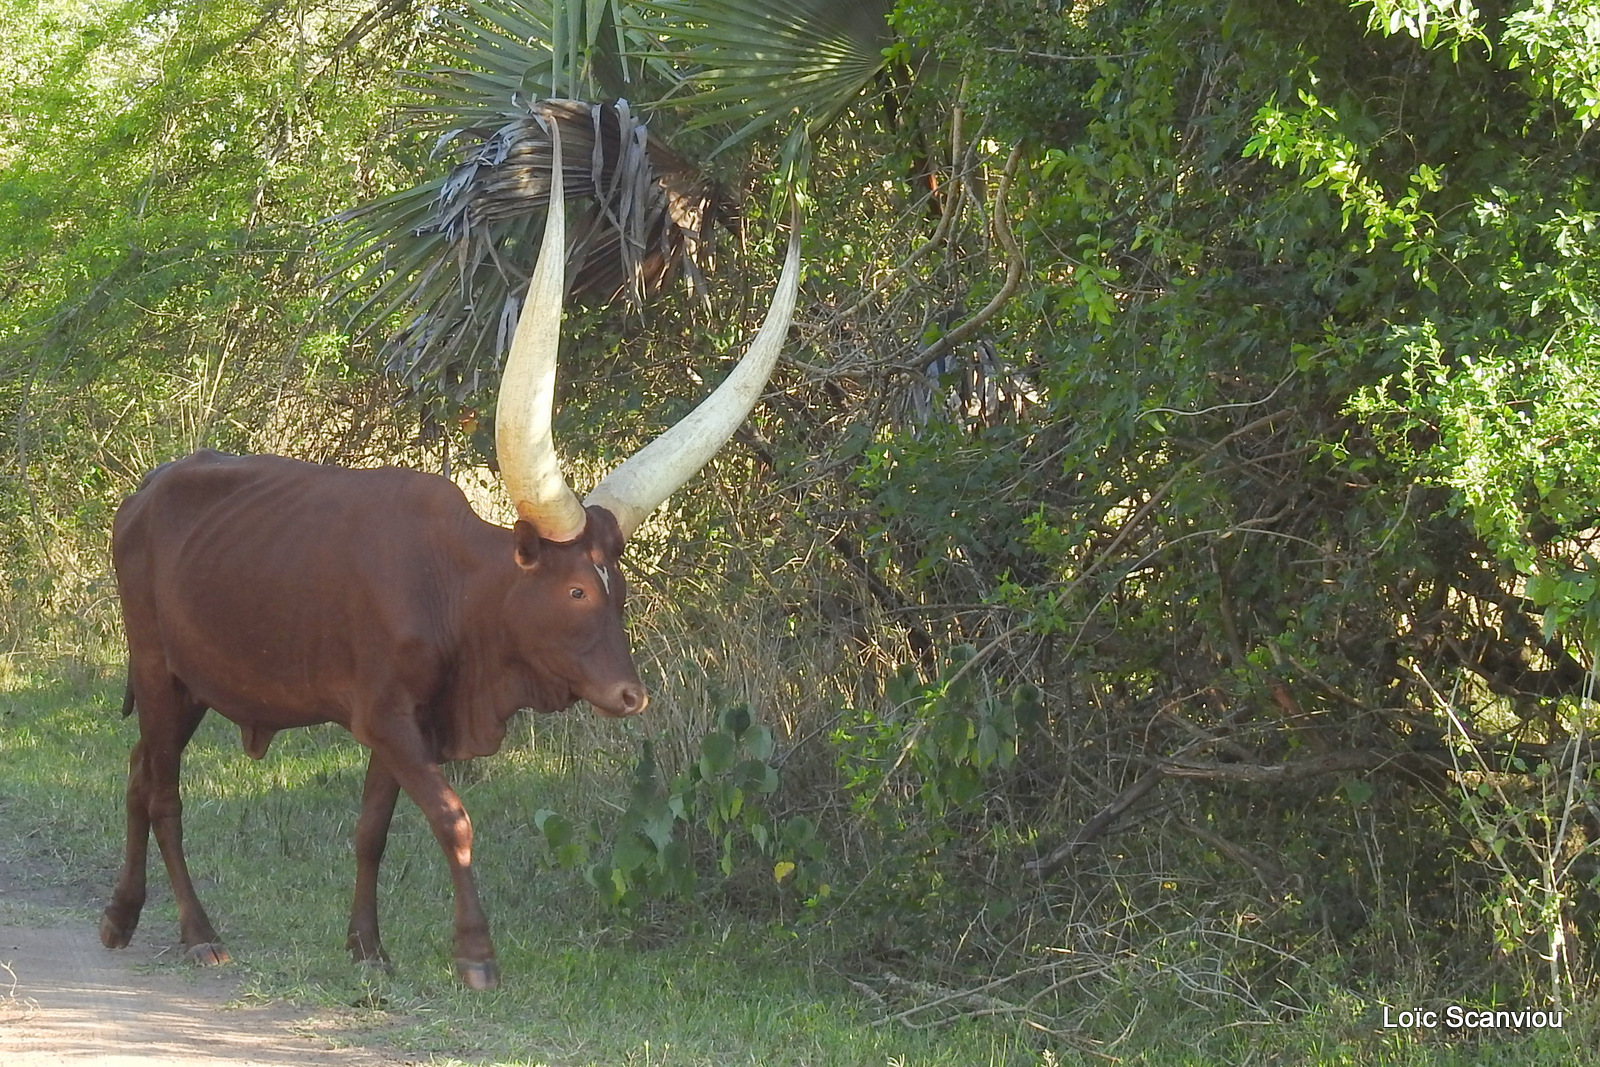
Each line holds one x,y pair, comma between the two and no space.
268,844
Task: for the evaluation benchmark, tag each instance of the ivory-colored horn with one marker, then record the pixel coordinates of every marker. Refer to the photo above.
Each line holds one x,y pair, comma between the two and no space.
522,438
637,487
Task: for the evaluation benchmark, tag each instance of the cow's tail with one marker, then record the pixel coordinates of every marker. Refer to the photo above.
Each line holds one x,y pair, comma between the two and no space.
127,699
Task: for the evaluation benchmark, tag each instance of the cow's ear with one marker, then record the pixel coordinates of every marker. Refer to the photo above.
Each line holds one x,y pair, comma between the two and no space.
604,531
528,544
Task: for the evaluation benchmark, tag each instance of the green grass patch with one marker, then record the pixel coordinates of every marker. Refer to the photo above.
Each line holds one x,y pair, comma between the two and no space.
268,845
690,984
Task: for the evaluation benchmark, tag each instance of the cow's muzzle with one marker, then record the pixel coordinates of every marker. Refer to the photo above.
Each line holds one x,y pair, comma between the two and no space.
622,700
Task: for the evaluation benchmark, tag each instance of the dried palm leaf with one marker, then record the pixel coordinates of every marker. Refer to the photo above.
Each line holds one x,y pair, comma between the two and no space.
457,251
454,252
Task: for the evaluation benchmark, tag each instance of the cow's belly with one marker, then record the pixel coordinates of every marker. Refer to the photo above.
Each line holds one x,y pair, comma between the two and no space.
295,672
275,676
262,701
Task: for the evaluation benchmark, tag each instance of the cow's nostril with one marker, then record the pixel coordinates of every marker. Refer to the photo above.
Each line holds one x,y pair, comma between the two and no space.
634,699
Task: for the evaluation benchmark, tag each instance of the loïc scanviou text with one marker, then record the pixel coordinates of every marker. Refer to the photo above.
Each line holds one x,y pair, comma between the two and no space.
1456,1017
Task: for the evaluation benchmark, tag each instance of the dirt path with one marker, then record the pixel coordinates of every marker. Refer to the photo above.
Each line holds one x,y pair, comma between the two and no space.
66,1000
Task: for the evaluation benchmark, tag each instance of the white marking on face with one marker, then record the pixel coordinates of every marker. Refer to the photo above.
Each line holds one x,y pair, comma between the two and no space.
605,578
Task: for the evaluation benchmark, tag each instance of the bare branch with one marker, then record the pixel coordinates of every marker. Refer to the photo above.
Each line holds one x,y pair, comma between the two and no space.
1002,232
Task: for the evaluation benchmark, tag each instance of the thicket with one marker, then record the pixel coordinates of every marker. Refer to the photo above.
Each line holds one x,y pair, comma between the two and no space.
1162,568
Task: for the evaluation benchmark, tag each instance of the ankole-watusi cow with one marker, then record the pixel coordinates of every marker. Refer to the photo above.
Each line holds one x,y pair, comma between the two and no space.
283,594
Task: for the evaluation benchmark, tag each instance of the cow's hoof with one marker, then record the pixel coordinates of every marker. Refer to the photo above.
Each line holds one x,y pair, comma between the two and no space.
114,934
478,974
209,954
379,963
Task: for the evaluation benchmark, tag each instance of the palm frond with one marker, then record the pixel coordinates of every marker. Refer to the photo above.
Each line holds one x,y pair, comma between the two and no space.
456,251
757,62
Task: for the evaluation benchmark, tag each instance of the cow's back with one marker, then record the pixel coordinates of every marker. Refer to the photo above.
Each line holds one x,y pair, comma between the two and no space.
278,591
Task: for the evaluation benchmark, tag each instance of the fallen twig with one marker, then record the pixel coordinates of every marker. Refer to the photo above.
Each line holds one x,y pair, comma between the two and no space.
1208,770
1098,824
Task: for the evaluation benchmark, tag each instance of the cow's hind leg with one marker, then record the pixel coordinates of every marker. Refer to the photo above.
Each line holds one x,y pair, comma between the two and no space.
121,916
199,937
168,717
378,796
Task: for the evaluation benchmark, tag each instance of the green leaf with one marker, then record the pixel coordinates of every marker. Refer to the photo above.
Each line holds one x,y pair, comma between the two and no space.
1541,588
734,720
759,742
646,774
756,776
988,745
557,829
760,61
717,754
1027,707
798,833
610,883
729,799
632,851
676,857
1358,792
658,824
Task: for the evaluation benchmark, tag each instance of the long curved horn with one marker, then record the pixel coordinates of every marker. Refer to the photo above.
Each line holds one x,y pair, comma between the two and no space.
527,452
637,487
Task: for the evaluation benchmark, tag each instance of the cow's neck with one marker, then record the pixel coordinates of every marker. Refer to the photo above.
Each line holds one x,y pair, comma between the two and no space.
489,673
487,683
487,687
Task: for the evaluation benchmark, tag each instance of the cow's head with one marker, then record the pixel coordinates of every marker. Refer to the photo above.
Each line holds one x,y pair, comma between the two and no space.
564,611
561,536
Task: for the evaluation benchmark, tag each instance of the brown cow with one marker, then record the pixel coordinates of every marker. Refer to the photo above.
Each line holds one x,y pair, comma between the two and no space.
282,594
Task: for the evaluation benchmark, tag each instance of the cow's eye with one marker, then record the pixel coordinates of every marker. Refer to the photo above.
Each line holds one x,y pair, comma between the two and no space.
578,594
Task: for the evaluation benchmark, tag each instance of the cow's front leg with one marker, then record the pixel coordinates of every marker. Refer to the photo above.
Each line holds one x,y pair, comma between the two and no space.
412,766
378,796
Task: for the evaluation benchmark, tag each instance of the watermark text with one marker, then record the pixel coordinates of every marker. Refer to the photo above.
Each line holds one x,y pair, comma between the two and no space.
1457,1017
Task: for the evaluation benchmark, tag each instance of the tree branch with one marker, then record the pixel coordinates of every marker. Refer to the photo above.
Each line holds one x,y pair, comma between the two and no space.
941,231
1003,234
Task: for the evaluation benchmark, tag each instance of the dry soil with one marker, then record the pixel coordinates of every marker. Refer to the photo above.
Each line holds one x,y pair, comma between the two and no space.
66,1000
